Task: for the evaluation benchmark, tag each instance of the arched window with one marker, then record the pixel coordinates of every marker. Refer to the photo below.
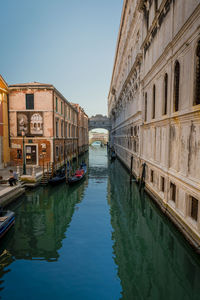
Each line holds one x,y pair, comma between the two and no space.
197,76
165,94
176,85
154,102
145,108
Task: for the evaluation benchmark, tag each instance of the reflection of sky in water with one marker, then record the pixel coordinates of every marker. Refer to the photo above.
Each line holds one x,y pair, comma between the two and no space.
98,163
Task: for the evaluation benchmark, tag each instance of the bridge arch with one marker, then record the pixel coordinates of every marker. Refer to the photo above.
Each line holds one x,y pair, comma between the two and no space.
99,121
102,137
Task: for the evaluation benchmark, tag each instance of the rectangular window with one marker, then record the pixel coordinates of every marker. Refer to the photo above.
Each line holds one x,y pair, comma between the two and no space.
154,103
194,208
66,130
57,129
61,107
145,114
62,128
152,176
165,94
57,151
29,101
162,184
173,191
56,104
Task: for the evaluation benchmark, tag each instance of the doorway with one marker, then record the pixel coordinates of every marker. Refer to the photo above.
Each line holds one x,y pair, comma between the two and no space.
31,155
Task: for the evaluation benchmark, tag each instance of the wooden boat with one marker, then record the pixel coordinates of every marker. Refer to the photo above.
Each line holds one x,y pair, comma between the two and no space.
79,175
58,178
7,219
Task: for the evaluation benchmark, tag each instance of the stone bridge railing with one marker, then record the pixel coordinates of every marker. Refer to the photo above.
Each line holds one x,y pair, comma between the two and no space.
99,121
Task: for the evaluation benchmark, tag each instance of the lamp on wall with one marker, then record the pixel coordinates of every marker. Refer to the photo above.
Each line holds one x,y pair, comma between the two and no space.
24,158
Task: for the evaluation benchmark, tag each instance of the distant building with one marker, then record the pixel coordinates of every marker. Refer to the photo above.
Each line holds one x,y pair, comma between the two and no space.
98,136
82,129
4,132
154,103
48,120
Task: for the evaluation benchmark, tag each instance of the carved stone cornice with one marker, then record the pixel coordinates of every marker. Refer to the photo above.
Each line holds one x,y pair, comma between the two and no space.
141,5
159,17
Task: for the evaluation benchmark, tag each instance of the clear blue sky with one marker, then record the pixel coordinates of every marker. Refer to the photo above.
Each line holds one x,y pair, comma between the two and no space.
68,43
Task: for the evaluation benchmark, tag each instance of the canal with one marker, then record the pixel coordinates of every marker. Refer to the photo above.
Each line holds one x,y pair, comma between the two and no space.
101,239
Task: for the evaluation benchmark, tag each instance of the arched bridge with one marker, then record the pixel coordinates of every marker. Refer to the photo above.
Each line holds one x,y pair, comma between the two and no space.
97,136
99,121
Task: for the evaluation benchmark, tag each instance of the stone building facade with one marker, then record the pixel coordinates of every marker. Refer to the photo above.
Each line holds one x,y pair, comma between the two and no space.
49,123
4,128
154,103
83,141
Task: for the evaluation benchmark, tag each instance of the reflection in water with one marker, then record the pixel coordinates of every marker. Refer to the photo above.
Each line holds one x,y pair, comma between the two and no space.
42,218
70,243
154,262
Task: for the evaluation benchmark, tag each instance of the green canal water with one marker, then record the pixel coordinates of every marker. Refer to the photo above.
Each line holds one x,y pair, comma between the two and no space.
101,239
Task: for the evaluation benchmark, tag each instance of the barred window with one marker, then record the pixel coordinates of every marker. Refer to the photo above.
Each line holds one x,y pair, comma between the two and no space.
176,85
197,76
194,208
154,102
165,94
152,176
162,184
173,191
145,114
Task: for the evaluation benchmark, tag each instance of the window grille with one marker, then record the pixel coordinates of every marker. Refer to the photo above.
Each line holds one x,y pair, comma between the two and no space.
176,85
154,102
165,93
173,191
145,115
194,208
197,76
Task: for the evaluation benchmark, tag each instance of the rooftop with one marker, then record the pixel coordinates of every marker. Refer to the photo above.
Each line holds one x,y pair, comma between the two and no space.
35,83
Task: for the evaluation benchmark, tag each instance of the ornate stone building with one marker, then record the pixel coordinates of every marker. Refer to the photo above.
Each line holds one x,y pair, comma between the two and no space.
154,103
48,122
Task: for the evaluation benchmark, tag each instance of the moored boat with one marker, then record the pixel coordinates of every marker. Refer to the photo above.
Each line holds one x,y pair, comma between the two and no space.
7,219
79,175
59,177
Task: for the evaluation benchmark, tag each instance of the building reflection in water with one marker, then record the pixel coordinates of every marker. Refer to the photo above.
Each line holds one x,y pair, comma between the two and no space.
154,261
42,219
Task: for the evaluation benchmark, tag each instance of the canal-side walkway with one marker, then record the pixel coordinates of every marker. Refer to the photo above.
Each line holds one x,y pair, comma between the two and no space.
9,193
